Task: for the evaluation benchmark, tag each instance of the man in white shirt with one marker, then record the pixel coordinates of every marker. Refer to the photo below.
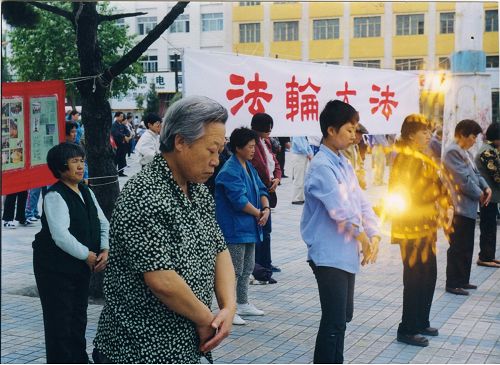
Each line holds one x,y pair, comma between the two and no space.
149,143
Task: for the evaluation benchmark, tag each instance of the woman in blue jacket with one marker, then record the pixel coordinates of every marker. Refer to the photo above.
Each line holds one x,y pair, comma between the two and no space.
242,208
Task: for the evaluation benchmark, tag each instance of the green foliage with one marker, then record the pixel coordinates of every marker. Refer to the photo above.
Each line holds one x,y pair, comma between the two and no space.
177,96
139,102
49,51
152,100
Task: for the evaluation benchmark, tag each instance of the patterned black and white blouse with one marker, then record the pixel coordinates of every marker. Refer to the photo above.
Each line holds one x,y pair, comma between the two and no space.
156,227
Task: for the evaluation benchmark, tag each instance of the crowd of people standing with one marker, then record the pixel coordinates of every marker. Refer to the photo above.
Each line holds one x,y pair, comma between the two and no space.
173,241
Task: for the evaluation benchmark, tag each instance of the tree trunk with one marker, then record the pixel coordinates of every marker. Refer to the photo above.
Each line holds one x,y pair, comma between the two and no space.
96,117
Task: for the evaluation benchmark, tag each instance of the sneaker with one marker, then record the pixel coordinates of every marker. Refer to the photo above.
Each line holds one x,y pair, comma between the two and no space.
248,310
258,282
32,219
238,321
9,224
27,223
38,217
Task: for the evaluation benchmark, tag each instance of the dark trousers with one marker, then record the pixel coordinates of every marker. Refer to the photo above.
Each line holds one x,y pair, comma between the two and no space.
9,206
121,156
419,281
488,236
459,254
280,156
336,295
64,299
263,249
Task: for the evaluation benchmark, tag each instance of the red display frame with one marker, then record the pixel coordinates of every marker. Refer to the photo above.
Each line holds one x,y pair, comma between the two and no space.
28,177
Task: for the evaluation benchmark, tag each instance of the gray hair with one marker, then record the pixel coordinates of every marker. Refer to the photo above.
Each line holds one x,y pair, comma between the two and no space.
187,117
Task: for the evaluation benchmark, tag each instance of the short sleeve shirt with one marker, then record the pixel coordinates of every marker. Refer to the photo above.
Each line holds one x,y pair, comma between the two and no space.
156,227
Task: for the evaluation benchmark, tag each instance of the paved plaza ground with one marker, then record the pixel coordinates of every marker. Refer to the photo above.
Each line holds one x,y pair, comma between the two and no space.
469,326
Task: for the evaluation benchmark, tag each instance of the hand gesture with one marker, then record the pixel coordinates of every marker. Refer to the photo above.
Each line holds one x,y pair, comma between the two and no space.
205,333
264,216
485,197
221,325
91,259
101,261
274,184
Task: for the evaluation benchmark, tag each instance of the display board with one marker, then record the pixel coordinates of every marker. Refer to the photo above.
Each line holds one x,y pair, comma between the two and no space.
32,123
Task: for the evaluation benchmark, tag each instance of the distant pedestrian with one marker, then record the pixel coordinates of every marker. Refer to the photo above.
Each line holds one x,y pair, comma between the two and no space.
337,219
242,208
15,203
301,154
72,243
121,137
468,189
149,143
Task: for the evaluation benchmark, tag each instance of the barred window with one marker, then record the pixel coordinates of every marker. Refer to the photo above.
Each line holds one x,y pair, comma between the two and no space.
366,63
145,24
491,20
212,22
250,33
367,27
286,31
446,23
180,25
406,64
410,24
326,29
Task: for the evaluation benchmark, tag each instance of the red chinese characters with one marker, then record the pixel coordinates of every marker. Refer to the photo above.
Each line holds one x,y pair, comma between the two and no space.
385,101
298,98
256,88
345,93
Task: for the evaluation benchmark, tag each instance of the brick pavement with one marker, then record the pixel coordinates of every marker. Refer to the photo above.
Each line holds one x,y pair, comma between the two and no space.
469,326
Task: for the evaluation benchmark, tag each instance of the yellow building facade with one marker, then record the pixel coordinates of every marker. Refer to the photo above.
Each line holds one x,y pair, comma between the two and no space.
391,35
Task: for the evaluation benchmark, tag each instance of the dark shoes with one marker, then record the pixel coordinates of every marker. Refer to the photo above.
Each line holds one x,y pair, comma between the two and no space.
429,331
469,286
457,291
298,202
122,175
414,340
275,269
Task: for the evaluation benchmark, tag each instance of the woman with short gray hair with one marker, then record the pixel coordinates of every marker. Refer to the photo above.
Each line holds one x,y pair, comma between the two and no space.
167,253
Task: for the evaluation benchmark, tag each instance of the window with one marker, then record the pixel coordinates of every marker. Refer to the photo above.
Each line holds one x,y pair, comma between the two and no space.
367,27
410,24
444,63
446,22
494,106
332,62
146,24
326,29
492,61
406,64
367,63
211,22
249,3
180,25
491,21
120,22
250,33
149,63
172,63
286,31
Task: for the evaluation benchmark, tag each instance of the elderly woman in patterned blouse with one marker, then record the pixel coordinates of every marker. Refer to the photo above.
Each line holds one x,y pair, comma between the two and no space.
167,253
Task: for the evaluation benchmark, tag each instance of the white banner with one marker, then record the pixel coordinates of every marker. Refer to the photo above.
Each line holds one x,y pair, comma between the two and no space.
294,93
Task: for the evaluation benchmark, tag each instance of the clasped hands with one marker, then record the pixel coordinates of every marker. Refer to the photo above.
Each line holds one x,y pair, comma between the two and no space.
369,247
217,329
97,263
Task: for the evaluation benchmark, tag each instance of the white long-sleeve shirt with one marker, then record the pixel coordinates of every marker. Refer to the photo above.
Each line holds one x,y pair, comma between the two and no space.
147,147
57,214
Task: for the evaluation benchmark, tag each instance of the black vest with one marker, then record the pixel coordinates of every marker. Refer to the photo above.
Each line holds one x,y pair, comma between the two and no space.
84,226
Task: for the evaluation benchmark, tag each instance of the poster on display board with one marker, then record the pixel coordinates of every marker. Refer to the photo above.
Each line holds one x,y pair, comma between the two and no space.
32,123
294,92
13,145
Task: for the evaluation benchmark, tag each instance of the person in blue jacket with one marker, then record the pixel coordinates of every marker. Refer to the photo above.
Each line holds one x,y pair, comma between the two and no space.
242,209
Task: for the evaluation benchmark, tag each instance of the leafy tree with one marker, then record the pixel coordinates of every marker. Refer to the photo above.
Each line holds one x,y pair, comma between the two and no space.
152,100
88,23
54,41
139,102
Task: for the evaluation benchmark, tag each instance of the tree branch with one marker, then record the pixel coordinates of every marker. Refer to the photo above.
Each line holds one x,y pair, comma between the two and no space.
136,52
106,18
53,9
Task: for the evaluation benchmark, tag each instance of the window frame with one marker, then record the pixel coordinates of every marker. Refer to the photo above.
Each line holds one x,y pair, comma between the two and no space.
363,26
287,29
491,23
145,26
367,63
411,26
492,57
245,31
212,23
445,23
149,65
317,28
180,25
409,62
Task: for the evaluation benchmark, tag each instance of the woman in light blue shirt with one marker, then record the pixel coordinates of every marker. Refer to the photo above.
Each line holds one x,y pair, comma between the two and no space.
336,219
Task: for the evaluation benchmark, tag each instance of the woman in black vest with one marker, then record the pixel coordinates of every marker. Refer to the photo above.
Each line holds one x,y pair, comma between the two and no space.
73,243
